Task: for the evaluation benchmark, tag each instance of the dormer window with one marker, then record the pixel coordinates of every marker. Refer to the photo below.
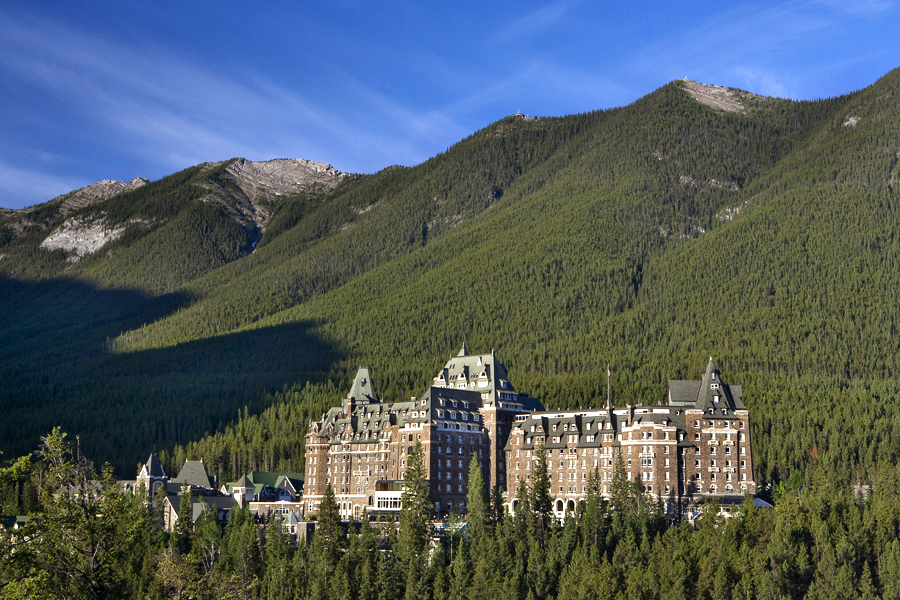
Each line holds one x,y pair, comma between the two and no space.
714,386
716,398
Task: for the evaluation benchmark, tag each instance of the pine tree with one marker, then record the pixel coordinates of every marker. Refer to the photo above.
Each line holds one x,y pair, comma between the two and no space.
328,527
416,507
478,514
541,500
184,525
498,511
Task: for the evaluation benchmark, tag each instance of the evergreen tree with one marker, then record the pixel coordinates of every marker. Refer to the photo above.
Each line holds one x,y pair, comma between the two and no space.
415,523
180,539
541,500
328,526
498,511
476,502
416,507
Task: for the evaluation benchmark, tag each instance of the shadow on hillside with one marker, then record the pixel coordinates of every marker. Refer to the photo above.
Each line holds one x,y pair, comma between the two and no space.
56,371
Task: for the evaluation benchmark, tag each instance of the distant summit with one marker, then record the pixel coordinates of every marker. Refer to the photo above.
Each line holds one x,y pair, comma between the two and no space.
96,192
717,96
282,176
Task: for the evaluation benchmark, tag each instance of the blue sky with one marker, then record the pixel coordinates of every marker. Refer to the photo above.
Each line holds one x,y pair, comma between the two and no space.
115,90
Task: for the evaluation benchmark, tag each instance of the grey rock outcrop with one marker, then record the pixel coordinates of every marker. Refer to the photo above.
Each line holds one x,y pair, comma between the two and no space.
716,96
82,238
96,192
281,176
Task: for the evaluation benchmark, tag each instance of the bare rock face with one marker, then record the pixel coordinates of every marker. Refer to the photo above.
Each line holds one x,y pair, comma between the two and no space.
716,96
72,201
81,237
96,192
282,176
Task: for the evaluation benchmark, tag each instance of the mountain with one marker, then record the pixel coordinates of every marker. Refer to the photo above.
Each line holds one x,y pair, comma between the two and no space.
696,221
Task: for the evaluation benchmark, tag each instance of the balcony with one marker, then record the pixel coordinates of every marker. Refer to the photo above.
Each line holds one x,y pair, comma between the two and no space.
715,470
728,443
730,470
712,443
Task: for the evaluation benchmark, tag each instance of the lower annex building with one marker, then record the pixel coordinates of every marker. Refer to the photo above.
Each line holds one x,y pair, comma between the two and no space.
697,445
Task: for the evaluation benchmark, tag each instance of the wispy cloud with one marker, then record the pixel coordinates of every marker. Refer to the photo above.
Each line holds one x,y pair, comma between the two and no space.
16,182
535,21
167,110
747,45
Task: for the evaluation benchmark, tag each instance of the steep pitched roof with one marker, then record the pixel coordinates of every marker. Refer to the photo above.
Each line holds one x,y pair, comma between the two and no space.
703,394
153,468
363,390
194,473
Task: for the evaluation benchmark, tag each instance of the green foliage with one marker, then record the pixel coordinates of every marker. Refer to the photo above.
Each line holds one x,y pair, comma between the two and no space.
648,236
477,501
822,540
416,512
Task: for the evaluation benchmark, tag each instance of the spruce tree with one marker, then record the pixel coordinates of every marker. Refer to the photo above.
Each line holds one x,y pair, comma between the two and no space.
478,514
416,507
541,500
184,525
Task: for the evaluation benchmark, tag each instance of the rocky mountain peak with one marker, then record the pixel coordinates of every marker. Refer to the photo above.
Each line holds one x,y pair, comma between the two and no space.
716,96
96,192
282,176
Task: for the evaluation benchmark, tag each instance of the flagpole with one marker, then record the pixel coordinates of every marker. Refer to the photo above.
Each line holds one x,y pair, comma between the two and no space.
607,386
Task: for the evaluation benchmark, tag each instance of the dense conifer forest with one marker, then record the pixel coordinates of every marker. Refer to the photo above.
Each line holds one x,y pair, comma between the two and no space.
823,539
649,237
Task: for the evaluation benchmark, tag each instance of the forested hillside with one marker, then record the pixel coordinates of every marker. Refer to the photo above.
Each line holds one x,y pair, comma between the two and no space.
649,236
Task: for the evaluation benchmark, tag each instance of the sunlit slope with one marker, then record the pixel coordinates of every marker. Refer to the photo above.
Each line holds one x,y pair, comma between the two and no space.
649,236
638,157
792,294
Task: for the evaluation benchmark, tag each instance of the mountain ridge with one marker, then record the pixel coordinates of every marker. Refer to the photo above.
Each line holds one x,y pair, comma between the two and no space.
563,242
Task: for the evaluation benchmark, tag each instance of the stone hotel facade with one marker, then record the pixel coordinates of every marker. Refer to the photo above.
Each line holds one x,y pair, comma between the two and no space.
697,445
